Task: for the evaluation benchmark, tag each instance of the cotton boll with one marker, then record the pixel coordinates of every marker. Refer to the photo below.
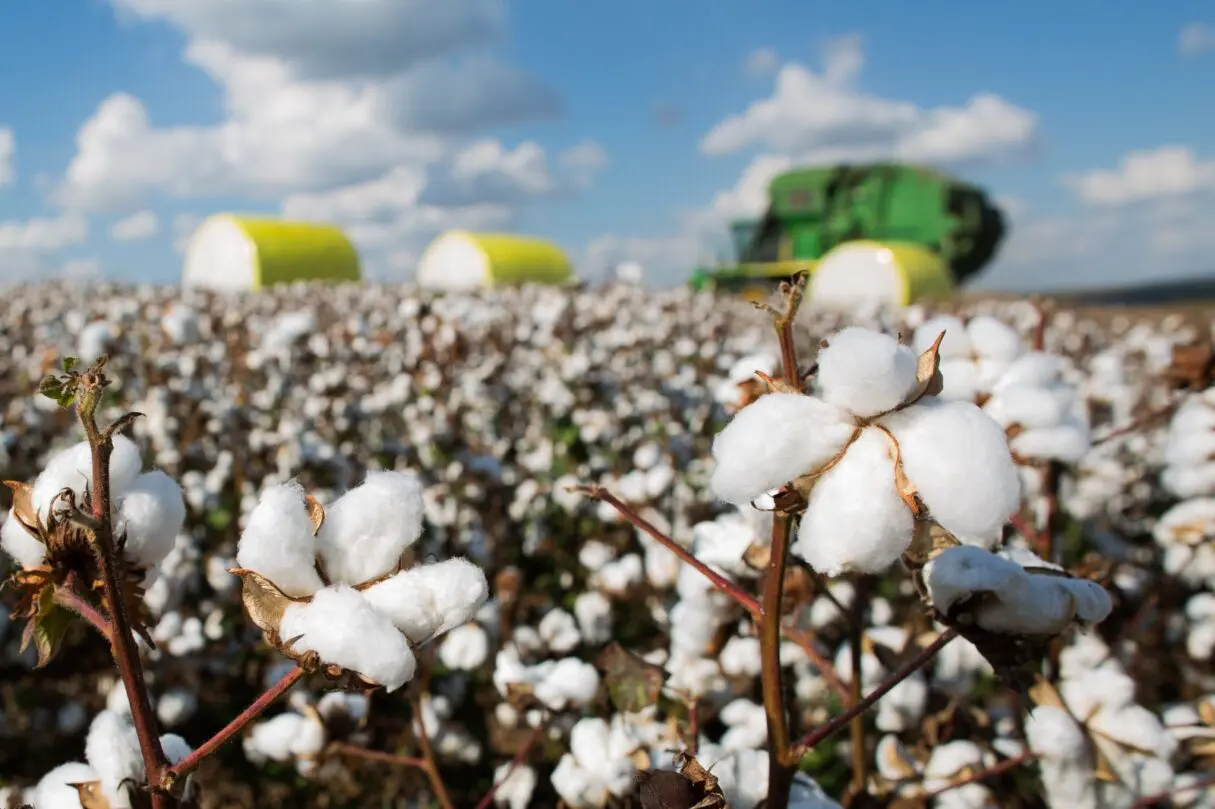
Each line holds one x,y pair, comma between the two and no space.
73,469
957,457
955,345
464,648
993,338
865,372
278,543
779,437
855,519
409,603
960,380
53,792
151,514
568,681
457,586
559,631
345,630
176,706
903,707
24,547
368,528
1067,442
284,737
957,573
112,750
516,784
594,614
740,657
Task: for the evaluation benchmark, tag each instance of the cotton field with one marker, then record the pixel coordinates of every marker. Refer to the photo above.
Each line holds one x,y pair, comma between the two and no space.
614,547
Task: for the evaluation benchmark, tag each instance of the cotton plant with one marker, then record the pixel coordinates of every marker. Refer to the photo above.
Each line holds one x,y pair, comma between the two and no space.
872,452
598,766
1189,451
299,736
1043,413
327,586
1184,534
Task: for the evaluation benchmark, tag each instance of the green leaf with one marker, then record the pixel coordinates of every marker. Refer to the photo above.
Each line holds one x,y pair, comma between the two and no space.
633,683
47,629
69,364
61,389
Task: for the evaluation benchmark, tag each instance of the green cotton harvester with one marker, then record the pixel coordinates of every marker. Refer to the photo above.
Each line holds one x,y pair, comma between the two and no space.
883,231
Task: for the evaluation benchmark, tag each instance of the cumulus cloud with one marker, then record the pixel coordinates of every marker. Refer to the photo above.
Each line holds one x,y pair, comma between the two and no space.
137,227
8,147
1166,171
762,62
1196,38
823,117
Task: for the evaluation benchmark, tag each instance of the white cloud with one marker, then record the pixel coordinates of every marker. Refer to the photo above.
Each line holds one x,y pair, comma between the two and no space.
1166,171
8,146
762,62
1196,38
28,247
587,154
823,117
136,228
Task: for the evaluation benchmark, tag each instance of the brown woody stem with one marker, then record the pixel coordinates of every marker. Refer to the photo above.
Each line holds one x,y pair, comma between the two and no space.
428,757
780,767
68,597
902,673
191,762
520,757
125,652
1149,800
982,775
860,759
354,751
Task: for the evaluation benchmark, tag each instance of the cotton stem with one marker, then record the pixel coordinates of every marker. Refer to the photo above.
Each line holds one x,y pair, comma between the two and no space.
921,659
860,604
780,767
428,756
982,775
354,751
125,652
1150,800
520,757
192,761
68,596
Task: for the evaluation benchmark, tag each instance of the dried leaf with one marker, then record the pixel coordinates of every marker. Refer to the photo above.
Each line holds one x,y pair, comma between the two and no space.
902,484
23,506
316,513
47,628
633,683
928,380
91,795
1044,693
264,602
703,780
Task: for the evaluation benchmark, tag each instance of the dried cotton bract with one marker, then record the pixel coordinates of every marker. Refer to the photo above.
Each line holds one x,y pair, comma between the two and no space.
869,454
326,586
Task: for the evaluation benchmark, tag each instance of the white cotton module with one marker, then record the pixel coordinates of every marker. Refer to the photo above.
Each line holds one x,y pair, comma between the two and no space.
464,648
779,437
865,372
112,750
20,544
151,514
957,457
345,630
278,543
367,529
855,519
516,784
53,792
594,613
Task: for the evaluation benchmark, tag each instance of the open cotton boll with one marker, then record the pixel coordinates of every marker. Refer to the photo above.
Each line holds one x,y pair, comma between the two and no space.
464,648
956,344
1053,734
1029,406
368,528
1034,369
112,750
25,548
516,784
428,600
594,613
151,514
779,437
958,459
53,790
568,681
855,519
958,573
960,380
993,338
73,469
1067,442
865,372
347,631
278,543
284,737
740,657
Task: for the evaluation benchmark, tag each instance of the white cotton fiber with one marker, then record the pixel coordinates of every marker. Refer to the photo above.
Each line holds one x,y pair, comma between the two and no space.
865,372
559,631
960,380
779,437
1053,734
20,544
53,792
1029,406
958,459
73,469
283,737
1067,442
278,543
112,750
855,519
1035,369
464,648
957,573
594,613
151,514
457,586
409,603
993,338
176,748
568,681
345,630
367,529
956,343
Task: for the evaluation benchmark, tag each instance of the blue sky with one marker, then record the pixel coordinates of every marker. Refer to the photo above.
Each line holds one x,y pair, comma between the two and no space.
623,130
